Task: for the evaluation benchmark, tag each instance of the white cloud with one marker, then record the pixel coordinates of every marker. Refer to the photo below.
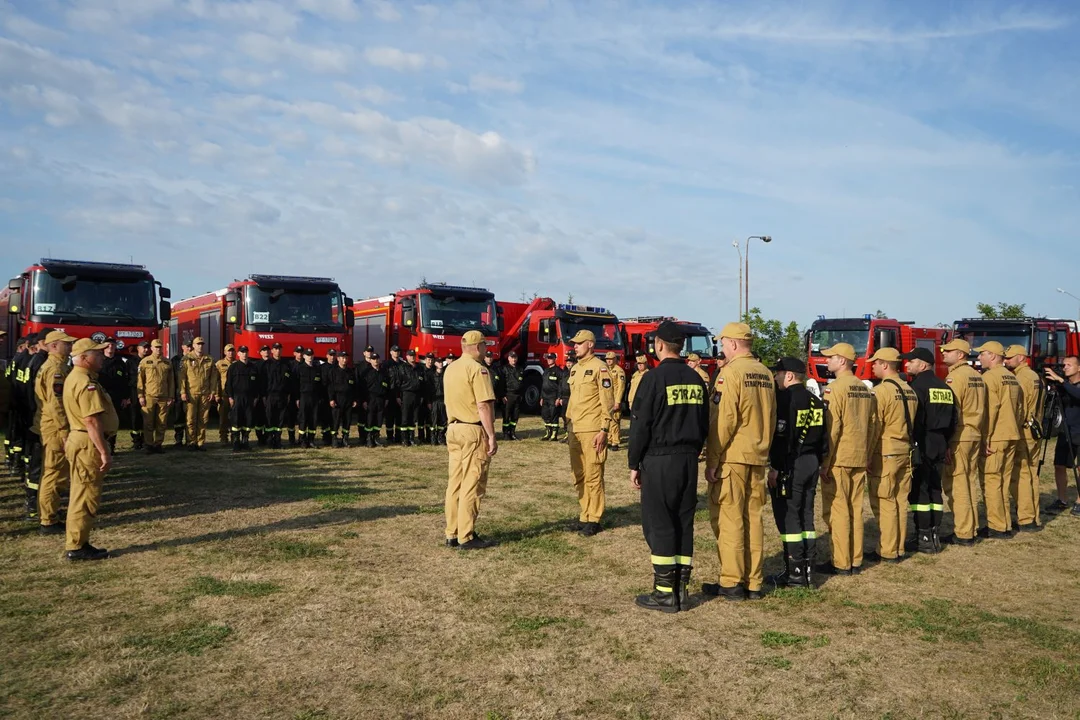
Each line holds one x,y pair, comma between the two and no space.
371,94
385,10
395,59
271,50
483,83
247,78
28,29
263,14
344,10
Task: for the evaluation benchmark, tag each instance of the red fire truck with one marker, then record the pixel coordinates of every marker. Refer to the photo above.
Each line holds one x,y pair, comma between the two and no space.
639,332
544,326
867,335
263,310
430,318
85,299
1047,340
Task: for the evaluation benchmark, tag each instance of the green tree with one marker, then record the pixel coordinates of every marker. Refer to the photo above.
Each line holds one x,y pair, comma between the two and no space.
880,314
1002,310
773,339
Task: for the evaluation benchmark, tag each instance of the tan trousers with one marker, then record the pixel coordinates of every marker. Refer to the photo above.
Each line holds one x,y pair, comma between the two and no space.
588,467
615,438
55,476
198,416
1024,485
223,420
155,420
999,467
741,543
961,483
841,502
889,488
468,476
86,482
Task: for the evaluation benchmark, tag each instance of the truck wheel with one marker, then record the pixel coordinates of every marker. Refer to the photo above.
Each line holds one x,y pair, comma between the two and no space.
530,400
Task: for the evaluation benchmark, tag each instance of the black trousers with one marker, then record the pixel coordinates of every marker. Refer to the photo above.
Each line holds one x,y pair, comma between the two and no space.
438,416
276,413
179,409
925,497
511,412
135,413
342,414
410,410
793,508
242,413
258,420
307,414
375,411
324,417
549,412
392,415
668,501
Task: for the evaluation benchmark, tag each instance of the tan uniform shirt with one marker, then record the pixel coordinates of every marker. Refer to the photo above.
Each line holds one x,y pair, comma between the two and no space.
465,383
198,376
222,366
703,375
591,396
892,436
618,382
155,379
634,382
50,418
1031,385
741,429
852,422
970,391
1005,405
83,397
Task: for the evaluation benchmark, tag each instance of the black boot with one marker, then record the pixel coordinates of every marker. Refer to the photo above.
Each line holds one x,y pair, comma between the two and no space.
31,503
292,437
244,441
339,443
663,597
235,441
375,441
407,435
798,574
925,542
936,539
683,594
327,438
783,578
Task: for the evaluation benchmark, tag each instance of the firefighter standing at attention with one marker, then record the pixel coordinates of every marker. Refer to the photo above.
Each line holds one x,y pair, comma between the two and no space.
1024,486
224,421
588,414
550,402
243,387
1005,410
618,389
156,388
200,385
513,385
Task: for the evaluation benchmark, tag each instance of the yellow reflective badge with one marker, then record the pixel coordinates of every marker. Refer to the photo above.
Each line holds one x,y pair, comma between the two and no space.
685,394
814,417
941,395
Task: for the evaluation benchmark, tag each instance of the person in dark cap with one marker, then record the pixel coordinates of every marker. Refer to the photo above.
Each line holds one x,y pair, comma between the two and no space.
260,419
425,431
799,445
142,350
377,381
325,418
309,391
392,414
550,401
936,421
276,383
291,415
669,421
243,387
513,385
438,404
344,396
411,384
564,393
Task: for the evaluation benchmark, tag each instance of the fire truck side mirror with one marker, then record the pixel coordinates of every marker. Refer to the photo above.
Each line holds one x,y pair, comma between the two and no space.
408,313
231,297
886,339
165,311
15,284
350,318
165,293
1051,345
715,350
14,302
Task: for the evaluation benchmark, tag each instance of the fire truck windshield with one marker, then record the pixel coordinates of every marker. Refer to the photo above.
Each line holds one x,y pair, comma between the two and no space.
858,338
607,334
294,309
700,344
450,315
92,301
1006,336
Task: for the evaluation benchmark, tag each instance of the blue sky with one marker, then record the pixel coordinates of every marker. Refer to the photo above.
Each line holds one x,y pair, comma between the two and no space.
916,157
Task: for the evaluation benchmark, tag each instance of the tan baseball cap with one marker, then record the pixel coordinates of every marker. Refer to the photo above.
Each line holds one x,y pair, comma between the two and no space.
472,337
198,341
156,343
1016,351
887,354
957,344
736,331
58,336
844,350
993,347
86,345
583,336
694,357
229,347
609,355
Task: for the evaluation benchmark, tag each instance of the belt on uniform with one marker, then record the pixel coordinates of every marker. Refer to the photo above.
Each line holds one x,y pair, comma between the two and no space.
673,450
462,422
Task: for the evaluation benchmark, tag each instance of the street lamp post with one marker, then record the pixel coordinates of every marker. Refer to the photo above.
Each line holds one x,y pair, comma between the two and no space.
735,244
1065,292
762,238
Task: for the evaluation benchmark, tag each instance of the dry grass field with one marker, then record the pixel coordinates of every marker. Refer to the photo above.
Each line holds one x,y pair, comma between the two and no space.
315,584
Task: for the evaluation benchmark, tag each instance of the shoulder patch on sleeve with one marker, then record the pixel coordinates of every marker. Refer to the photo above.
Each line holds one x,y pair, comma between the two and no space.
606,383
948,380
483,371
91,387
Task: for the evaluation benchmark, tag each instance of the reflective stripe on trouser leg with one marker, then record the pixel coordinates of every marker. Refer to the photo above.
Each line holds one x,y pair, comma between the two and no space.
588,468
668,501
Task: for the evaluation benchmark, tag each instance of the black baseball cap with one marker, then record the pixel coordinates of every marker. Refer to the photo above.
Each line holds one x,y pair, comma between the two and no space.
789,364
919,353
31,338
369,349
298,349
395,348
242,349
145,344
265,347
489,354
411,352
670,332
430,356
309,351
374,356
511,354
551,356
276,346
343,354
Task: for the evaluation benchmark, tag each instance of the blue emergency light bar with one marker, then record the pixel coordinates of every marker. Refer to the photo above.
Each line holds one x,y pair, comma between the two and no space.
649,319
583,309
46,262
867,316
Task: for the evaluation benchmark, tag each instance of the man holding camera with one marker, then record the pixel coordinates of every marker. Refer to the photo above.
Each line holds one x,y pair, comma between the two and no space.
1068,442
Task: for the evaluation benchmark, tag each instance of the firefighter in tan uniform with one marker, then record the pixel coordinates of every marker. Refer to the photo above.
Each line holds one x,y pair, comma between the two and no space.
693,361
200,386
222,366
851,419
93,421
618,388
890,464
51,424
961,480
156,389
737,458
588,415
1024,486
642,364
1005,409
470,440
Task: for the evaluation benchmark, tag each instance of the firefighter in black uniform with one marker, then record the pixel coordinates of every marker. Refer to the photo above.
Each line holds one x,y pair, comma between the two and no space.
342,391
179,411
309,392
438,405
427,432
291,415
115,377
243,388
325,418
32,450
668,426
392,415
362,366
137,439
378,383
412,388
549,397
14,372
497,383
259,413
513,384
564,394
935,422
277,385
798,447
